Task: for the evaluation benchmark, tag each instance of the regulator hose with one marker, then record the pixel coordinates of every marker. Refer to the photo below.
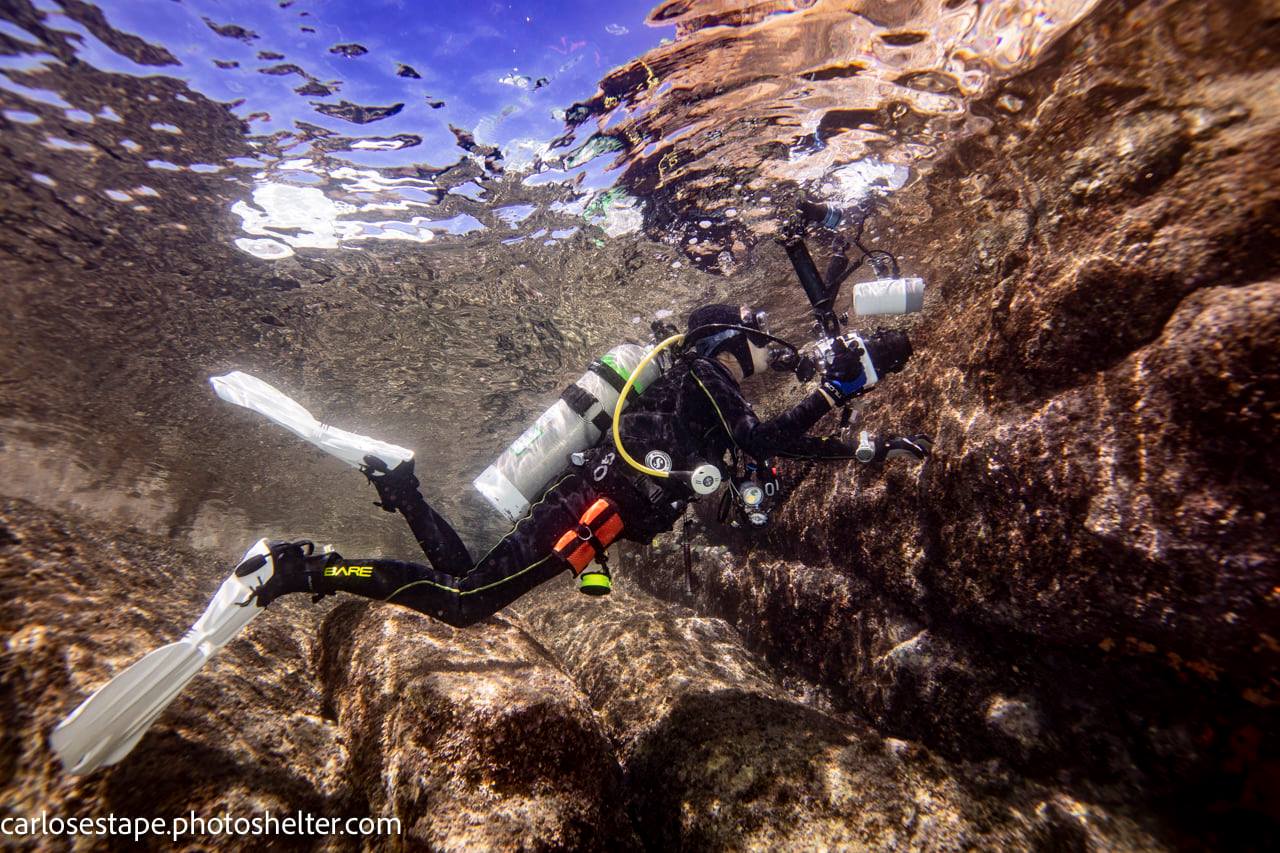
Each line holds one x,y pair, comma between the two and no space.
674,340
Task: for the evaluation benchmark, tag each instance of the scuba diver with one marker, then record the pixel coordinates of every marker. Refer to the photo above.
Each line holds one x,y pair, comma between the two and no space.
687,418
694,414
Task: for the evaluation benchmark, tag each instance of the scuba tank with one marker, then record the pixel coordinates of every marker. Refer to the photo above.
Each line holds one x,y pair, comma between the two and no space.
573,424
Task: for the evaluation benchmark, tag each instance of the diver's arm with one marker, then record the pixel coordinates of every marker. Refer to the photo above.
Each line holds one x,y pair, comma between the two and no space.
780,436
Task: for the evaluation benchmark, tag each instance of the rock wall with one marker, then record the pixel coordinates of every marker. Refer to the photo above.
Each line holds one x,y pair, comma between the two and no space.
719,755
574,724
1083,581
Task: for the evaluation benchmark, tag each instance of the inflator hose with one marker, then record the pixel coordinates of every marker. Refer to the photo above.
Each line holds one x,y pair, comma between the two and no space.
674,340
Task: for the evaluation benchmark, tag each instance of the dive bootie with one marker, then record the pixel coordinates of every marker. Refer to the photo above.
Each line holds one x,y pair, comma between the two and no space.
109,724
396,487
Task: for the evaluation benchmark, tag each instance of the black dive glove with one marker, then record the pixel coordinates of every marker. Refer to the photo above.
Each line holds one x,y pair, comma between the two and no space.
915,447
845,377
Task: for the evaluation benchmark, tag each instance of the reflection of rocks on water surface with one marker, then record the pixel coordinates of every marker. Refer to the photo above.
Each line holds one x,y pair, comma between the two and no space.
745,101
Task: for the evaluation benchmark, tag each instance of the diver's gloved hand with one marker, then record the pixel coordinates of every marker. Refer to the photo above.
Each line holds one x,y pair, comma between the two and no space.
916,447
871,449
845,377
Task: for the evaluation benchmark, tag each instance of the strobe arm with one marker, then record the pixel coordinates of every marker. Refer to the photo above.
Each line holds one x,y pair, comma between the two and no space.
814,288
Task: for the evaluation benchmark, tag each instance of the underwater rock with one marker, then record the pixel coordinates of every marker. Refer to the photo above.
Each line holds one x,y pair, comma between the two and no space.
718,754
839,630
1015,718
471,738
246,736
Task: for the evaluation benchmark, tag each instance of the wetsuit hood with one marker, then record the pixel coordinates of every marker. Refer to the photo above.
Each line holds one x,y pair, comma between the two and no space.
728,340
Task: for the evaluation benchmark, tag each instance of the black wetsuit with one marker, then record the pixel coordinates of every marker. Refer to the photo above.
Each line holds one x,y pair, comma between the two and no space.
695,413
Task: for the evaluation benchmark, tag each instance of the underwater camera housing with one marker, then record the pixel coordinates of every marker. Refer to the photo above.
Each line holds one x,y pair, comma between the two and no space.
888,294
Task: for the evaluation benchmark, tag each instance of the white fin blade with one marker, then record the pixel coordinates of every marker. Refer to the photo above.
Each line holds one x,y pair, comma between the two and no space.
110,723
139,715
258,396
111,716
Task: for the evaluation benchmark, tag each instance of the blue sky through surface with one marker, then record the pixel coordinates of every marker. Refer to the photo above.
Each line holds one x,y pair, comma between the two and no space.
483,60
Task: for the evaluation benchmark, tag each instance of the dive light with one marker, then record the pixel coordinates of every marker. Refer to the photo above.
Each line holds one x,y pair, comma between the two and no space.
754,494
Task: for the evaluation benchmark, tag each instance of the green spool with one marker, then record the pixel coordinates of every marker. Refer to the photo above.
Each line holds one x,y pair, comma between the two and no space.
595,583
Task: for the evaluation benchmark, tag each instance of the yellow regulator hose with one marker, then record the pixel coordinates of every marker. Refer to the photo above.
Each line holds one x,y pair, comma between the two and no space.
674,340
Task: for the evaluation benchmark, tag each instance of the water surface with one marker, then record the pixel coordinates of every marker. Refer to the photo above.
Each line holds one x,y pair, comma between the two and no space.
421,223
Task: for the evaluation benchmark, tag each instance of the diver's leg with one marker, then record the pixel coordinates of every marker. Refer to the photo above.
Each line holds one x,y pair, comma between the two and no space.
526,556
398,492
523,559
412,585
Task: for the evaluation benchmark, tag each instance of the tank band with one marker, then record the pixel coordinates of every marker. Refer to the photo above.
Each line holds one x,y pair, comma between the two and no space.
582,402
610,373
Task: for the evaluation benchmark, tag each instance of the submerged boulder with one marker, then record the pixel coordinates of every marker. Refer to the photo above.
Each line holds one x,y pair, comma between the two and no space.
718,754
473,737
469,738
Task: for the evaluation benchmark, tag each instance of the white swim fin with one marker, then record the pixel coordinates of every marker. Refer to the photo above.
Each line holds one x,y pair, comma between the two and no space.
252,393
109,724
